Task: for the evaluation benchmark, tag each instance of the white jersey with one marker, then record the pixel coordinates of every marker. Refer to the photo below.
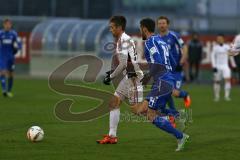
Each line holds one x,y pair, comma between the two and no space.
125,49
129,87
219,56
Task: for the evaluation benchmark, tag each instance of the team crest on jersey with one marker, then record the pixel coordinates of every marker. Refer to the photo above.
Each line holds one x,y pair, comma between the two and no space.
153,50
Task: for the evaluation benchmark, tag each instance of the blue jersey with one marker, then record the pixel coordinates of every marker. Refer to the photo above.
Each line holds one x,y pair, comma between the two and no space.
9,44
175,43
157,56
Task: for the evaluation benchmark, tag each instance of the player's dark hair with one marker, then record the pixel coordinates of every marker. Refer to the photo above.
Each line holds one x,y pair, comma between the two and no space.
220,34
148,23
119,21
6,20
165,18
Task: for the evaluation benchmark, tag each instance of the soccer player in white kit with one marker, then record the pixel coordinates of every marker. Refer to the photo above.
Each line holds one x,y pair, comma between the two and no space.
130,86
220,59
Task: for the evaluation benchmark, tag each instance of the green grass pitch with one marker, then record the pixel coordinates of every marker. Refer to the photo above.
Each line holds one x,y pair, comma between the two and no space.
215,132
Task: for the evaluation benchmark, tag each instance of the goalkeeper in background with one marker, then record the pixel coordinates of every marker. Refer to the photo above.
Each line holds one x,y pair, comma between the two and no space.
9,46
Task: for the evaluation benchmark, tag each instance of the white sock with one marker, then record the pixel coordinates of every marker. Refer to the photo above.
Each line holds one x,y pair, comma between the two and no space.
216,88
227,89
113,122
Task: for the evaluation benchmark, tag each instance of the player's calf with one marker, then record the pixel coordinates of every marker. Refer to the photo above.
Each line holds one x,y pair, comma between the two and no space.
216,89
227,89
3,84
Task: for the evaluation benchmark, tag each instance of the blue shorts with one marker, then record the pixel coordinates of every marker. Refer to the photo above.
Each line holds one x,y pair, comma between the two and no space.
177,80
160,93
7,64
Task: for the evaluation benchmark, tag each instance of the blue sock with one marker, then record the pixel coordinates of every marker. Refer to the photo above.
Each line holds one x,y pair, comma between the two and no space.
3,83
183,94
10,83
166,126
171,103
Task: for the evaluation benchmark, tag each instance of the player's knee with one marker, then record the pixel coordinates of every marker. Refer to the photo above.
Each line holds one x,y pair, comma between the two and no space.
227,80
114,103
10,74
3,72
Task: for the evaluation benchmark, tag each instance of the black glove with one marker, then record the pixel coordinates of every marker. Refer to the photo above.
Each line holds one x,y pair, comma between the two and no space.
107,78
235,69
214,70
145,78
178,68
15,51
109,72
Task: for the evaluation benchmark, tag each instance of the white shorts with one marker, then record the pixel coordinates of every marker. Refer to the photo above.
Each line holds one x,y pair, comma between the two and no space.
222,72
130,88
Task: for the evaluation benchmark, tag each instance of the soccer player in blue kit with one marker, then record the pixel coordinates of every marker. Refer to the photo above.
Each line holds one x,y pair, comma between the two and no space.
157,56
177,58
9,46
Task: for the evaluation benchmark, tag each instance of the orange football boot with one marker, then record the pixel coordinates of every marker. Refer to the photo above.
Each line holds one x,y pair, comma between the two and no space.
187,101
108,140
172,121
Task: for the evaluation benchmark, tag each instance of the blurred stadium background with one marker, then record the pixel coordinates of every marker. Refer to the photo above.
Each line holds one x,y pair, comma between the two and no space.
54,30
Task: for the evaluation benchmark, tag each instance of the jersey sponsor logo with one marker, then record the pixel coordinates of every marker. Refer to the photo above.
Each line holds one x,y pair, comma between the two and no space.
7,41
161,42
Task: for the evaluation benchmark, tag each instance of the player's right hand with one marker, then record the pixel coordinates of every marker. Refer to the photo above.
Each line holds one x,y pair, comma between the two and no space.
107,78
214,70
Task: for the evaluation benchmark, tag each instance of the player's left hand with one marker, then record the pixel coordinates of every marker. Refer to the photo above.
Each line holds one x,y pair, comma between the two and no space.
179,68
15,51
215,70
235,69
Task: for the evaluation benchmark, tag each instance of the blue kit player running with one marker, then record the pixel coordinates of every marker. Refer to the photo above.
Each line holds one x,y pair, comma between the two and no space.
157,56
9,46
175,45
